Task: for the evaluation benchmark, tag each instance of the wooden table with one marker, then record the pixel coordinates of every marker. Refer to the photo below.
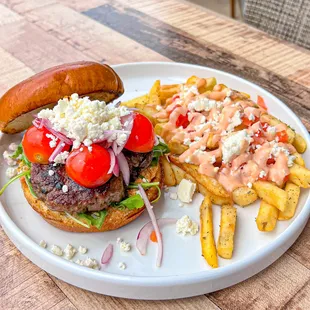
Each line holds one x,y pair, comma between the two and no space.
35,35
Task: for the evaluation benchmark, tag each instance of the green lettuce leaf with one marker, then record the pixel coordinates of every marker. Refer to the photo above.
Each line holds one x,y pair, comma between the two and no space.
159,150
133,202
94,219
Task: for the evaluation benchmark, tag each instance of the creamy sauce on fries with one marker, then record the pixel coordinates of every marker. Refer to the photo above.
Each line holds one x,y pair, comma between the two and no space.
225,136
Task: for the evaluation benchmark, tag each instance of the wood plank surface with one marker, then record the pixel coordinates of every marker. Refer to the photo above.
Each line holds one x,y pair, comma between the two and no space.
35,35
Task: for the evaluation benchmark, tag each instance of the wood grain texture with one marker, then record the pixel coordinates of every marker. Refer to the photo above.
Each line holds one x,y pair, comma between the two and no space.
37,34
180,46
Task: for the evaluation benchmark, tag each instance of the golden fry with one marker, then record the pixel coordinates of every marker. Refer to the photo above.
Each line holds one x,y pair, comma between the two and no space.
300,176
299,160
169,177
243,196
217,200
299,143
272,194
138,102
293,192
266,219
206,233
225,244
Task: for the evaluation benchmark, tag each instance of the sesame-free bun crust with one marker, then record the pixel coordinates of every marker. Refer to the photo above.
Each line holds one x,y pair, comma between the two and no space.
20,103
115,218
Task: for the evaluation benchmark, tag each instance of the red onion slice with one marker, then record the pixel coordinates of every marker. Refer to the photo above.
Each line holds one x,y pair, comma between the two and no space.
112,158
107,254
155,225
145,232
57,150
116,168
47,124
124,167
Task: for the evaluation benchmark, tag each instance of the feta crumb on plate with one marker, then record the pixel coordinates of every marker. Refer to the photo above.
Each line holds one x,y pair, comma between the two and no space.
57,250
69,251
122,266
43,244
125,246
173,196
82,249
186,190
11,172
186,226
89,263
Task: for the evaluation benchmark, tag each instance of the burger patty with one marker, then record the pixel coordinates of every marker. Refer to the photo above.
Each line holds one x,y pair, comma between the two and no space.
49,188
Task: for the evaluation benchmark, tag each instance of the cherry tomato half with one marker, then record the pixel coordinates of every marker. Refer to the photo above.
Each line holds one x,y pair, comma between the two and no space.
247,122
36,145
89,168
142,138
282,136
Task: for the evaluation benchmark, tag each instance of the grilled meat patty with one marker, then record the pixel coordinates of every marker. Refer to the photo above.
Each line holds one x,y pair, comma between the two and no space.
49,188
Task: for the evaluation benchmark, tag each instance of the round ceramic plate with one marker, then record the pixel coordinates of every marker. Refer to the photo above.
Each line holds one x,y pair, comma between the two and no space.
184,272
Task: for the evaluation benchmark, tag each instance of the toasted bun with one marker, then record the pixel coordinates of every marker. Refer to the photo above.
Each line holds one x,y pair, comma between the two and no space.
115,218
44,89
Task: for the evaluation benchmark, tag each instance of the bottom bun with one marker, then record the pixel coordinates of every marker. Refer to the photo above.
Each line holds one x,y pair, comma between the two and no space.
115,218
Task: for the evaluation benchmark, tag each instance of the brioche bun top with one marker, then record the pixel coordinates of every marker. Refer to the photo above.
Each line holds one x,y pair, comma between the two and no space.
19,104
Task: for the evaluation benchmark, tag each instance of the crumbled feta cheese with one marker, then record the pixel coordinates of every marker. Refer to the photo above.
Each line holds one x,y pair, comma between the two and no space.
7,157
252,117
61,157
90,148
125,246
13,147
216,169
57,250
158,107
262,174
234,121
197,139
204,104
188,160
51,172
227,100
166,189
88,262
53,141
43,244
65,188
186,226
249,185
212,159
186,190
84,120
69,251
187,141
202,148
233,143
82,249
290,161
181,204
271,129
229,93
119,240
122,266
173,196
11,172
276,149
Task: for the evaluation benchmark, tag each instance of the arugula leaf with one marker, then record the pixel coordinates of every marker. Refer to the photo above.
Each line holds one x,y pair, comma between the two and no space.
18,151
24,173
94,219
28,182
159,150
133,202
25,160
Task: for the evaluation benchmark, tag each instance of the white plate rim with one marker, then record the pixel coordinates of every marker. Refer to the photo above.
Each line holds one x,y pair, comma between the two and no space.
187,279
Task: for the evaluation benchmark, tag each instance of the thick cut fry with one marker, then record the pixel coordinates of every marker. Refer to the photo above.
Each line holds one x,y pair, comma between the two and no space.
212,185
178,173
138,102
299,143
176,147
243,196
167,91
225,244
300,176
169,177
206,233
299,160
217,200
272,194
273,121
293,192
266,219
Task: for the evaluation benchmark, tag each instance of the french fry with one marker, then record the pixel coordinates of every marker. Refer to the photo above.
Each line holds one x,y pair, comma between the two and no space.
206,233
299,143
138,102
273,121
169,177
293,192
167,91
217,200
243,196
272,194
266,219
176,147
211,184
225,244
300,176
178,173
299,160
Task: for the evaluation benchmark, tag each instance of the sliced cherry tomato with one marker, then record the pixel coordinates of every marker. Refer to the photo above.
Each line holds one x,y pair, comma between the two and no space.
89,168
142,138
271,161
153,236
248,122
261,102
36,145
182,121
282,136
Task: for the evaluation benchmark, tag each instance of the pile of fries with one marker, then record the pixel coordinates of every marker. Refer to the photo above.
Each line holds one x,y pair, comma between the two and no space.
277,202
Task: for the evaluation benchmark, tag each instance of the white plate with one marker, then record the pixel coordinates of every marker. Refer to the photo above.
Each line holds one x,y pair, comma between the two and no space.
184,272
